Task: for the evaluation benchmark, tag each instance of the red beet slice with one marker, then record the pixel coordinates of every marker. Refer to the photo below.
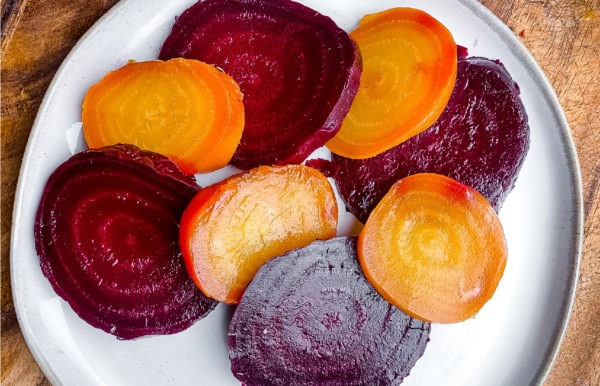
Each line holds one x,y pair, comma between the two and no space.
480,139
106,233
310,317
328,168
298,71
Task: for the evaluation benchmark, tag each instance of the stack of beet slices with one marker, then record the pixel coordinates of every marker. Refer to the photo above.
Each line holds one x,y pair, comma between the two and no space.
107,235
480,139
298,71
311,318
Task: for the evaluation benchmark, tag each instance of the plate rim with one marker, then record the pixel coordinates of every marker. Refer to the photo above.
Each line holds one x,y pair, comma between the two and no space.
535,71
479,10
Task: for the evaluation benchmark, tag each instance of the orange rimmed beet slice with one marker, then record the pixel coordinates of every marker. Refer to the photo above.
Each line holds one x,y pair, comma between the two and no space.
409,70
233,227
182,108
298,71
434,248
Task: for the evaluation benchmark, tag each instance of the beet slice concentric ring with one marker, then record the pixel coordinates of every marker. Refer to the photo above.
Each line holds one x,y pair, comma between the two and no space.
480,140
106,233
310,317
298,71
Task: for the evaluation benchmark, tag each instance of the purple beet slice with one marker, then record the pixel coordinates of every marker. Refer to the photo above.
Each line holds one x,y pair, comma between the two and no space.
106,232
480,139
310,317
298,71
328,168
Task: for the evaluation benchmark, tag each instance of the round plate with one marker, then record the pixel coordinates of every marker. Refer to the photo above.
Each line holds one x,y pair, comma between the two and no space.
513,340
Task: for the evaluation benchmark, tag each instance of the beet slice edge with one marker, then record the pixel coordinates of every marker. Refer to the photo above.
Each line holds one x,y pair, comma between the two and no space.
481,140
106,233
298,71
310,317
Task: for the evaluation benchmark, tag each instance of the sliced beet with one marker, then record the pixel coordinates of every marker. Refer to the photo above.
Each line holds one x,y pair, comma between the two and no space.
106,233
328,168
298,71
310,317
480,139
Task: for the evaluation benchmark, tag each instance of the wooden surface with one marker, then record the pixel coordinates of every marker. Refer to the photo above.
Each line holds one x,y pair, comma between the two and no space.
563,35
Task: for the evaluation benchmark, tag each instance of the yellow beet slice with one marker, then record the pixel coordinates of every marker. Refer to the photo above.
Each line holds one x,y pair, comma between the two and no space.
434,248
409,71
182,108
233,227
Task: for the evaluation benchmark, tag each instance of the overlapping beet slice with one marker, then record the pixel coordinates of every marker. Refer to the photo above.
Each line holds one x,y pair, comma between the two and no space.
298,71
480,139
310,317
106,233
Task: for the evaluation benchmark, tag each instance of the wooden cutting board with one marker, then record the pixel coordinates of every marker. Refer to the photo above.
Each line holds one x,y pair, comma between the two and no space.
563,36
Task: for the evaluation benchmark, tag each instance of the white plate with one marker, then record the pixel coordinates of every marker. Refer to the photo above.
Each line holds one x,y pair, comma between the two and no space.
513,340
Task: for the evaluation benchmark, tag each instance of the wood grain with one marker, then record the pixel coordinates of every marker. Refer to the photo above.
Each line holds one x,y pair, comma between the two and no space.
36,37
563,36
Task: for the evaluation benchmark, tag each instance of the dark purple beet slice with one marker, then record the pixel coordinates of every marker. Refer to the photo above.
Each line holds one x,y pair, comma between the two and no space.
106,233
298,71
328,168
480,139
310,317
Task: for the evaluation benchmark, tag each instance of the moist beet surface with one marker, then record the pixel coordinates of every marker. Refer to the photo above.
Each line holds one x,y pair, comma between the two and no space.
328,168
298,71
480,139
106,233
310,317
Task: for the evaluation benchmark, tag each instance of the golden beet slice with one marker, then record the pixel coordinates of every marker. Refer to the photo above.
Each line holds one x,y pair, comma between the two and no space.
434,248
232,228
185,109
409,70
